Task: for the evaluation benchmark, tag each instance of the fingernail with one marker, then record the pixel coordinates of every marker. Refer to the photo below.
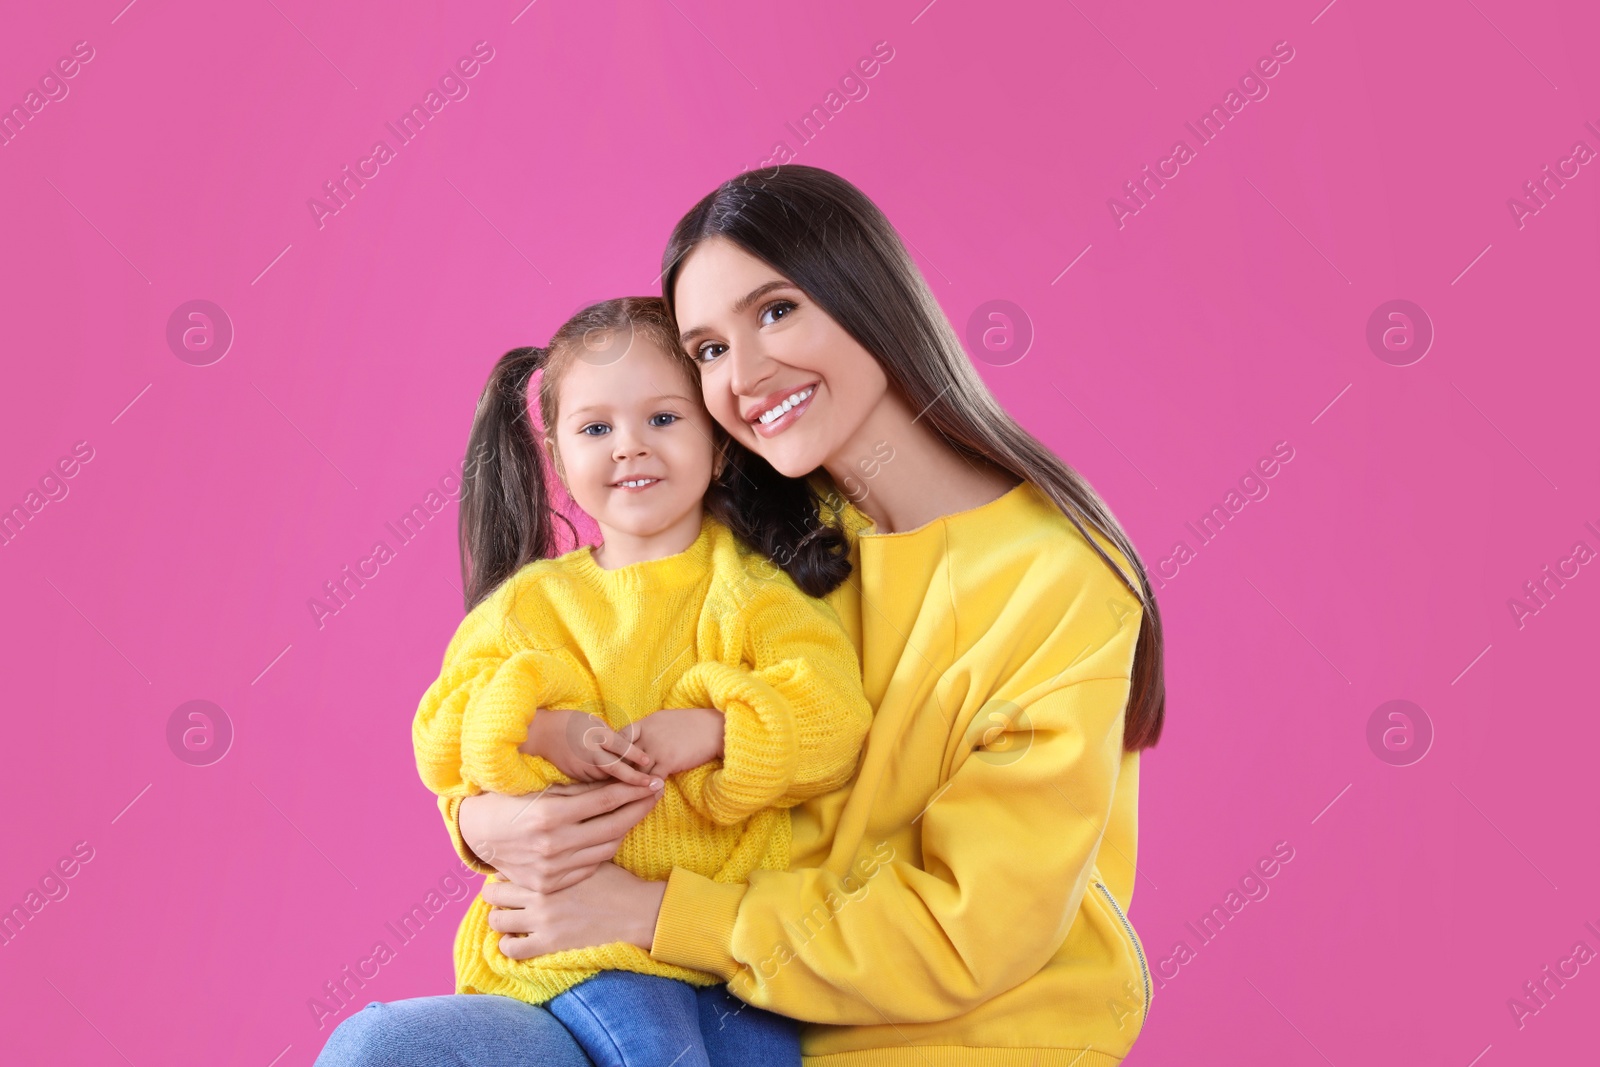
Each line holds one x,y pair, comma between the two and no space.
655,783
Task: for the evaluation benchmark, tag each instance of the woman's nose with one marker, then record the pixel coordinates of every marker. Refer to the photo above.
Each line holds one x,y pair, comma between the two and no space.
751,369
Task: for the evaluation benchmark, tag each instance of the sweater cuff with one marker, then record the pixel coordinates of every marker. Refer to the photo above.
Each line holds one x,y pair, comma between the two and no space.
760,749
450,808
695,925
495,723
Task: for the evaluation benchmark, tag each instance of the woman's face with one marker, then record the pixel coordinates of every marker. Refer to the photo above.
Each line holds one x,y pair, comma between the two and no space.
761,342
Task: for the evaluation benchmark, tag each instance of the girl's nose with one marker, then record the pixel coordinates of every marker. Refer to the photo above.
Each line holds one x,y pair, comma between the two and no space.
627,448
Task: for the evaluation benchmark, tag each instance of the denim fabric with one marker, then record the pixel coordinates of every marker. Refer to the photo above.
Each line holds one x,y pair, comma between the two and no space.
737,1033
624,1019
452,1031
492,1031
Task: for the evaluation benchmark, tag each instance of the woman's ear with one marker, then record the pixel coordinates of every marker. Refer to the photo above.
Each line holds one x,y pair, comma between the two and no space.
722,461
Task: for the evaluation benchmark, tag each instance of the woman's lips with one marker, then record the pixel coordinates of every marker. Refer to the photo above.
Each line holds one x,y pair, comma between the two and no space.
784,421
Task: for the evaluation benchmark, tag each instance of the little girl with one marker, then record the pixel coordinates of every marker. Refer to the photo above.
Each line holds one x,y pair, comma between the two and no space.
671,654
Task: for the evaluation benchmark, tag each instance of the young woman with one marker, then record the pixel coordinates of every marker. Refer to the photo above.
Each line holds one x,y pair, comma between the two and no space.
963,899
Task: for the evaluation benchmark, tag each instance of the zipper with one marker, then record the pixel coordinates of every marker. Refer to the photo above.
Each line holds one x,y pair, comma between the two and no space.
1138,949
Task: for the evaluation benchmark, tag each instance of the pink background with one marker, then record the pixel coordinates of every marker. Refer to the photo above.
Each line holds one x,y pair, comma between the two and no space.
1227,315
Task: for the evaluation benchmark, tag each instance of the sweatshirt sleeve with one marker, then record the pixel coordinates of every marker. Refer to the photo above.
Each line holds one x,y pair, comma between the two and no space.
1005,849
796,715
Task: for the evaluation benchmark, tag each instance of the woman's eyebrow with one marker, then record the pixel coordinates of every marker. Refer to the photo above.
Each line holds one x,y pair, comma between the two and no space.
739,307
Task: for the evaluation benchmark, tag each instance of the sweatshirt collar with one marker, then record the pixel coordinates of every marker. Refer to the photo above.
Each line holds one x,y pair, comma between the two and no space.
859,525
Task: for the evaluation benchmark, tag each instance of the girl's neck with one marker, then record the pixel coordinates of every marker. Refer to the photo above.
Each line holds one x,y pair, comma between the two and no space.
620,548
902,474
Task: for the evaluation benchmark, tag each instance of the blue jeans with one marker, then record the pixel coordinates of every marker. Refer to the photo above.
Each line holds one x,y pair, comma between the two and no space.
623,1019
480,1030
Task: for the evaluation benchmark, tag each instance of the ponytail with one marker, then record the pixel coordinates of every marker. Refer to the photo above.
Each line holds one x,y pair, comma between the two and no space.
506,518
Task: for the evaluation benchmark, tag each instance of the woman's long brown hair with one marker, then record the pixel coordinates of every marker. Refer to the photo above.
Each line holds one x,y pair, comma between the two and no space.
824,235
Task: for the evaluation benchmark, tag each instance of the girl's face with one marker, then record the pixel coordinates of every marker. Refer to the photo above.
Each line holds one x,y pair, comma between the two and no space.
632,441
761,342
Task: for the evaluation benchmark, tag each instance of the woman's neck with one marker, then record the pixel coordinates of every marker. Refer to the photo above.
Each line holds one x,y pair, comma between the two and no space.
902,474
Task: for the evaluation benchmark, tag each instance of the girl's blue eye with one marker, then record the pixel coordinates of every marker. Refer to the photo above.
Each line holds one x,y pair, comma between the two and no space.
602,427
663,415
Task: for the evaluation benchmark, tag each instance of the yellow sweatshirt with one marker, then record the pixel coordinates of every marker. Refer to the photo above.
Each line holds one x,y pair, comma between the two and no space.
963,900
713,626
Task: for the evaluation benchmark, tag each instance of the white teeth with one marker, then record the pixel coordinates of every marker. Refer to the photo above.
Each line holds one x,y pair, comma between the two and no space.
638,482
788,403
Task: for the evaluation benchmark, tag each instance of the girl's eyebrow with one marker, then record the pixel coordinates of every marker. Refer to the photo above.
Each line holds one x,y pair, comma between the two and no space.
575,412
739,307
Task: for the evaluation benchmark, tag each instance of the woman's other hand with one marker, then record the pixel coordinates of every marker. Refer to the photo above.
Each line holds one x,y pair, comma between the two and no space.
676,739
614,905
555,838
585,749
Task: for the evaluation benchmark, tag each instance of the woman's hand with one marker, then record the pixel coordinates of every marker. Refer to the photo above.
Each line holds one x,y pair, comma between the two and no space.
584,748
676,739
555,838
612,906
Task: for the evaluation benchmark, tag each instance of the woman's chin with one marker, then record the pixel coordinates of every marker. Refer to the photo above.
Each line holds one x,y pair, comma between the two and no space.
792,462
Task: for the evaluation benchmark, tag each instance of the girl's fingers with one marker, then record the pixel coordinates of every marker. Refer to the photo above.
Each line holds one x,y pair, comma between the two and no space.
624,772
619,745
599,738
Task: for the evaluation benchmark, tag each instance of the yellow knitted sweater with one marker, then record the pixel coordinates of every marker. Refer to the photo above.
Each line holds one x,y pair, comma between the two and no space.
713,626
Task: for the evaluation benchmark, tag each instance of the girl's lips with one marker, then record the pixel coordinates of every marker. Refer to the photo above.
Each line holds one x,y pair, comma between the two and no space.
636,488
784,421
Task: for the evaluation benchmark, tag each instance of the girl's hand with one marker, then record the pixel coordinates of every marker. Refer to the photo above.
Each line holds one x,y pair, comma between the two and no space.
676,739
554,838
612,906
585,748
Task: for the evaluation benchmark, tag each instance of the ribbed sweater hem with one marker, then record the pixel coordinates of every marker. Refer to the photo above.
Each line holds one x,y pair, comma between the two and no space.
963,1056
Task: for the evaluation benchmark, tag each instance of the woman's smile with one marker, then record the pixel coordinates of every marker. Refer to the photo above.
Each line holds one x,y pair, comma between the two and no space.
771,419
